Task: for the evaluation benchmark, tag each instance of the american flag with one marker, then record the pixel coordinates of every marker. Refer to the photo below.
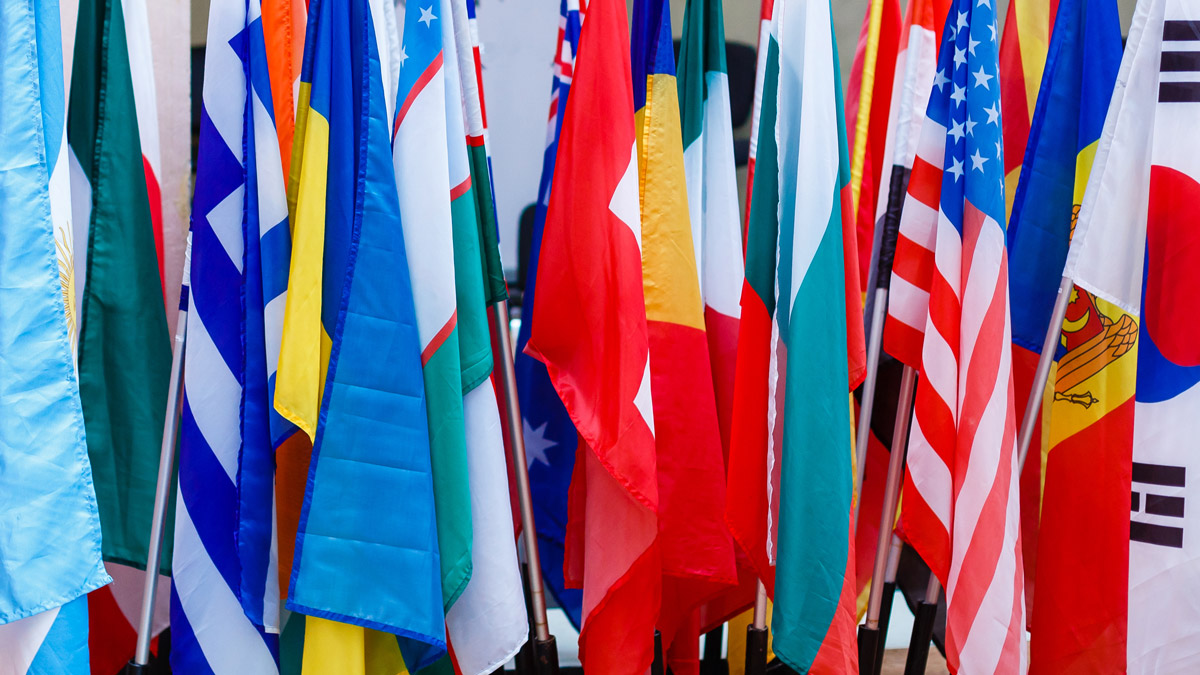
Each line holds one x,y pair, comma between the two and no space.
949,318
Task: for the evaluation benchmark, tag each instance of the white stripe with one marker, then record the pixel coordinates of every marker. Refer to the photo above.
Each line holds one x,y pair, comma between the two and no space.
929,474
230,643
272,195
20,641
456,124
907,303
213,393
423,183
127,586
932,144
81,213
141,67
981,286
918,222
273,329
723,270
226,112
947,253
940,368
226,221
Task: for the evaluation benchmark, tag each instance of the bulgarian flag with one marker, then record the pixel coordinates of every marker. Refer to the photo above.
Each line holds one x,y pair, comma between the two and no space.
124,348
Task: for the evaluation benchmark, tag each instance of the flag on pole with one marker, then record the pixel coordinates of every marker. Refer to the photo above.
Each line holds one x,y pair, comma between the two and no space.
949,314
370,478
124,349
761,77
1081,67
697,551
810,448
1023,50
45,479
591,334
868,99
550,436
1127,382
225,590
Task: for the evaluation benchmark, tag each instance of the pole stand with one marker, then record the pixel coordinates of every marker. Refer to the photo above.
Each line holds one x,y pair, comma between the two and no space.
659,666
922,634
547,656
868,647
132,668
885,614
756,650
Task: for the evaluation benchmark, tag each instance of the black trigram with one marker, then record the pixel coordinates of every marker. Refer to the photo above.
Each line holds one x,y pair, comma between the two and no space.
1183,85
1145,476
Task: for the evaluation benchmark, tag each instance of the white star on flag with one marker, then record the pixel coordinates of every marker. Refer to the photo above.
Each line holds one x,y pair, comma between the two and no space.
939,80
959,95
971,126
427,16
985,3
956,130
536,444
977,160
403,56
982,78
956,168
960,57
993,113
972,43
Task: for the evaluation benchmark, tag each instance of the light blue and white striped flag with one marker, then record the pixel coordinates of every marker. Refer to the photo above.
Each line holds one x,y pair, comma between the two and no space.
225,615
49,527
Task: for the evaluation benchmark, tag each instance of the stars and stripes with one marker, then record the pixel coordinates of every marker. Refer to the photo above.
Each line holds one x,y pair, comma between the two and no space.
949,317
225,593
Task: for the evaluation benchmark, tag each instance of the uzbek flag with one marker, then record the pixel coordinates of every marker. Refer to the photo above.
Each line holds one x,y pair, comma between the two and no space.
1081,68
810,446
349,309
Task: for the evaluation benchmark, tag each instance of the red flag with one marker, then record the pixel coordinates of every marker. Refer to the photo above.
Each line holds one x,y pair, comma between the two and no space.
590,331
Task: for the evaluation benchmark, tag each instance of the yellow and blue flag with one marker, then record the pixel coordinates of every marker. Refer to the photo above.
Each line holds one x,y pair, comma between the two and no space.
350,363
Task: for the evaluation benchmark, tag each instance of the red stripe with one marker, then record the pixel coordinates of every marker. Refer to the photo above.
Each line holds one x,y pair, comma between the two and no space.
903,342
438,339
923,531
477,141
925,183
417,88
913,262
460,189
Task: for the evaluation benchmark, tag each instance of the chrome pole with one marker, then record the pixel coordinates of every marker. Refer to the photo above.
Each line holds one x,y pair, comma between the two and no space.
1049,346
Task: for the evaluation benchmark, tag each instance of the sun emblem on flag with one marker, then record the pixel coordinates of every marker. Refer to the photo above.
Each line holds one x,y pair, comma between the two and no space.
1093,341
66,277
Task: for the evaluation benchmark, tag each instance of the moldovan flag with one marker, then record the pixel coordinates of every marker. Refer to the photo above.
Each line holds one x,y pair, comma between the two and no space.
45,480
590,331
810,448
350,309
1023,50
697,551
716,231
1124,417
868,100
124,349
1085,53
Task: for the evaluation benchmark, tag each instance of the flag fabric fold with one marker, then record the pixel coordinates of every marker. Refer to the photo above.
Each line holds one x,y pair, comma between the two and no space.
590,331
961,508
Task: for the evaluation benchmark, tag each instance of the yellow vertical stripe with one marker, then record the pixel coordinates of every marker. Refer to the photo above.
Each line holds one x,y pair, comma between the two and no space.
332,647
302,354
672,284
1033,27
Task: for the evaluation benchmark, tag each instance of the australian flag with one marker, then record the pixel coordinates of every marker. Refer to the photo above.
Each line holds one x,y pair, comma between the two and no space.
550,437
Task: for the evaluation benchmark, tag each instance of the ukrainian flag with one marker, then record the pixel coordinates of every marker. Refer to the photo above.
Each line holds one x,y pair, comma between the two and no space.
349,375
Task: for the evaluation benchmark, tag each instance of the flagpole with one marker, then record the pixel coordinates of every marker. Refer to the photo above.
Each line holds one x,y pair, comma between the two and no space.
922,634
867,404
545,649
869,644
756,635
141,657
1045,359
889,594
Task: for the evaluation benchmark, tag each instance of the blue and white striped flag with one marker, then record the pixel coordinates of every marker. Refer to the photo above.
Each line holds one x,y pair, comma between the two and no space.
225,613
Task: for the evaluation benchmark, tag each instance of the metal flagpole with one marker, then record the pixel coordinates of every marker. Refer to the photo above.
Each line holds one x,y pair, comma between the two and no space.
756,635
162,492
868,634
867,405
545,649
918,646
1049,346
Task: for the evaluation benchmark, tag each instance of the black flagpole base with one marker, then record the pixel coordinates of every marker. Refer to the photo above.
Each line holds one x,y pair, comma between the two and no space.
659,666
547,656
756,650
712,663
885,615
526,662
132,668
922,635
868,648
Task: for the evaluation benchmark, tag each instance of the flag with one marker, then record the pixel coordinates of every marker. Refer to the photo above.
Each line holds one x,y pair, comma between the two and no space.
716,232
746,481
423,172
868,99
1080,70
349,309
949,315
225,588
1126,390
45,479
761,77
1023,50
591,334
550,436
697,551
124,349
810,448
